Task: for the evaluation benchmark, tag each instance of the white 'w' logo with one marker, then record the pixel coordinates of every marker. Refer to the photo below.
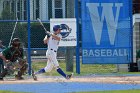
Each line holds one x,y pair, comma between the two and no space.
108,14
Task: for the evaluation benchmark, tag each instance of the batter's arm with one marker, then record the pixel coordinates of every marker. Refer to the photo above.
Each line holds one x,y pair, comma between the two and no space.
56,37
46,39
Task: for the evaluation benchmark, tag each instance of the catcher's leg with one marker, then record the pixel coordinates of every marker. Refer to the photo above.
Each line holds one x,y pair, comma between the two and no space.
21,72
3,74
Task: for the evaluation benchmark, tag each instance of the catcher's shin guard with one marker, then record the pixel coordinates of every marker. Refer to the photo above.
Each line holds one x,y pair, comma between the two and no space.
18,78
3,74
19,75
21,72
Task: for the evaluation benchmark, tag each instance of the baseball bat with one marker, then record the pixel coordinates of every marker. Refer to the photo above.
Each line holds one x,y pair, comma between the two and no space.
13,31
47,32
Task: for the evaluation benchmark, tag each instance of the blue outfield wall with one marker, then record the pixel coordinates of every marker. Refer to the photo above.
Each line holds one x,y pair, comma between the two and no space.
107,31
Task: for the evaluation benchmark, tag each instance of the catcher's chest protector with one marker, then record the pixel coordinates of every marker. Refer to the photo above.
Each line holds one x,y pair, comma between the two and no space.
15,53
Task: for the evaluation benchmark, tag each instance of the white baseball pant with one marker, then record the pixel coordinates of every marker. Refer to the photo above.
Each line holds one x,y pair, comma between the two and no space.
52,60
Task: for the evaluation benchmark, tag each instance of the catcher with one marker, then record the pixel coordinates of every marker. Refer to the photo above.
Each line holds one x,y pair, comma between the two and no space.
13,59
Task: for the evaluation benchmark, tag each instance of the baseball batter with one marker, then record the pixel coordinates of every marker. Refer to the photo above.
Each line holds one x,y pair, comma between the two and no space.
52,41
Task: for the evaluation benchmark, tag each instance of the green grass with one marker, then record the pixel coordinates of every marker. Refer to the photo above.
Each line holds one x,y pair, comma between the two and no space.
117,91
39,65
4,91
86,69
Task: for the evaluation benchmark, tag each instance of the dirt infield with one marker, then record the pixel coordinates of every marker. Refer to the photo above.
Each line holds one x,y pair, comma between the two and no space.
96,79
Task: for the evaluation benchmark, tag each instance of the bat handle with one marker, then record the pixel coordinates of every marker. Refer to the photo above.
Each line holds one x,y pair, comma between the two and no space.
48,33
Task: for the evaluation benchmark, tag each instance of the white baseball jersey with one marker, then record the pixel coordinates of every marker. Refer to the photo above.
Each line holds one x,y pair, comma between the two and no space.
52,43
51,53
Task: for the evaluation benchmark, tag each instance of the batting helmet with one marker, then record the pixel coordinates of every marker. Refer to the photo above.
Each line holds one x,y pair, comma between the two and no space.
15,42
56,27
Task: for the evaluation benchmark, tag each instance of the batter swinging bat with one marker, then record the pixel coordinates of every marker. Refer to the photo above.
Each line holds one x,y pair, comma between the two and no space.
47,32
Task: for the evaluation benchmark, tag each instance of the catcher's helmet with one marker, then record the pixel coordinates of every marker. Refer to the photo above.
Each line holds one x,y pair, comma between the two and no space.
56,27
15,42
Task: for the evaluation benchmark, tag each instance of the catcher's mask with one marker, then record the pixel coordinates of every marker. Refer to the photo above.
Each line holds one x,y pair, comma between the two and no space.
15,42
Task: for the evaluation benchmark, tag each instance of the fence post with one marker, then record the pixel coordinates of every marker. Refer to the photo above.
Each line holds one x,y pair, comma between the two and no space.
69,59
29,49
77,47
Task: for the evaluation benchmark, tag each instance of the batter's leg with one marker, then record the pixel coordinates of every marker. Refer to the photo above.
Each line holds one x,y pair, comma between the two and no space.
58,69
42,70
61,72
48,68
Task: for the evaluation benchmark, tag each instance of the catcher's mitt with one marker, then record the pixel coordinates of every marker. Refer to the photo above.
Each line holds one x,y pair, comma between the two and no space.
18,65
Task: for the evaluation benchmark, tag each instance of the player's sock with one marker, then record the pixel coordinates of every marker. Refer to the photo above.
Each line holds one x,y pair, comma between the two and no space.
40,71
59,70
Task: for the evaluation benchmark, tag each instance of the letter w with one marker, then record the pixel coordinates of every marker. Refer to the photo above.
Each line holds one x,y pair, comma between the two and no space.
111,20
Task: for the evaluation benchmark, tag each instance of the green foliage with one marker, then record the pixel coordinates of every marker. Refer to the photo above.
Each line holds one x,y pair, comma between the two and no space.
38,34
6,29
7,14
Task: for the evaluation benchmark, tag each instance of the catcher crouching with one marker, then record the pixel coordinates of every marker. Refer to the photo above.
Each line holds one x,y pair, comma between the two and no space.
14,62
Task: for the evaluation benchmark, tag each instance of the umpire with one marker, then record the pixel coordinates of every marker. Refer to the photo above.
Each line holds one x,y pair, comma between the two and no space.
1,61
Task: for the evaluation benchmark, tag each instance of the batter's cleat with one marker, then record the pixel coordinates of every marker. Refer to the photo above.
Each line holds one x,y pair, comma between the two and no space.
69,76
34,76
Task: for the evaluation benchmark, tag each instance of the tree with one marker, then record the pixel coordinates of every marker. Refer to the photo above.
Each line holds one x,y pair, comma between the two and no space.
6,27
7,14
